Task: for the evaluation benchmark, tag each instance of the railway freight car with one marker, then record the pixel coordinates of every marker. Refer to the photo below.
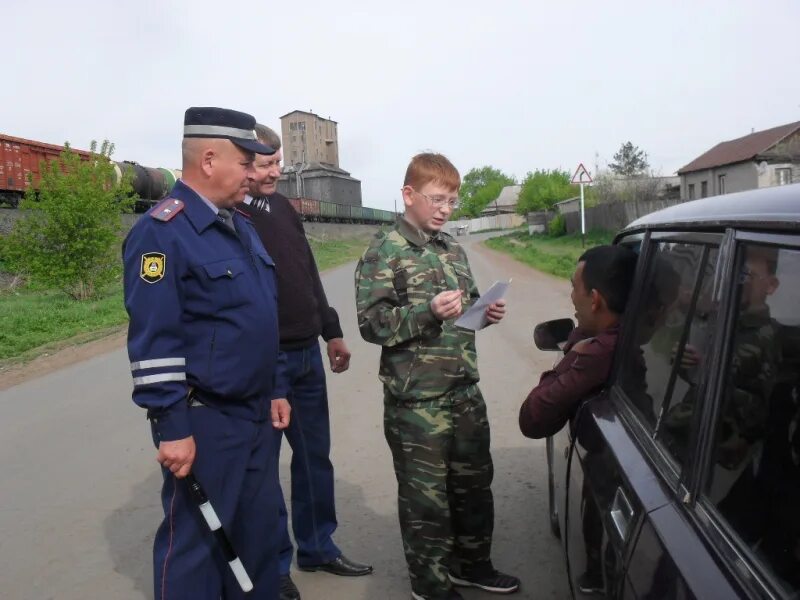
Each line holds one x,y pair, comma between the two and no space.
19,169
150,185
333,212
19,165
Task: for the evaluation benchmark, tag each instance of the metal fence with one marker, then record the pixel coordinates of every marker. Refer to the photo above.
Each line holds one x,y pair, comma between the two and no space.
467,226
615,216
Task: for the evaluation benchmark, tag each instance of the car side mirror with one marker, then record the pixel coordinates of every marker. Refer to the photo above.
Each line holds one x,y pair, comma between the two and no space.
551,335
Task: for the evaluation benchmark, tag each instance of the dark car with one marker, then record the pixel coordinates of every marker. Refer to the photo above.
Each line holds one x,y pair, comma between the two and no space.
681,479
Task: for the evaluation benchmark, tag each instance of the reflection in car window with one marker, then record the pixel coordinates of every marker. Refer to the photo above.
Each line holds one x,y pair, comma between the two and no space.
672,335
754,479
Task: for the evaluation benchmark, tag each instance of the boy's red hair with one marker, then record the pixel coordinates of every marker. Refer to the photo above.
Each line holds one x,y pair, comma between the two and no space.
430,167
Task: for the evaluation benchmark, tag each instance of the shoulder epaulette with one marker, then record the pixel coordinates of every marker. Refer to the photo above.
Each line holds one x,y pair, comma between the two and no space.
166,209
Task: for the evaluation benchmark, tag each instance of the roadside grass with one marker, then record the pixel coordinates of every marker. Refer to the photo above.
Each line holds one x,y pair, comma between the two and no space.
31,318
35,322
332,253
556,256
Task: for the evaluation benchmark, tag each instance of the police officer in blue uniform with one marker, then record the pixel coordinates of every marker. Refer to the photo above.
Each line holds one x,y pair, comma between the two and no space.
203,344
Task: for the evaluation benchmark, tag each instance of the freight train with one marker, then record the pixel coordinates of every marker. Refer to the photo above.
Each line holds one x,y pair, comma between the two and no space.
19,168
332,212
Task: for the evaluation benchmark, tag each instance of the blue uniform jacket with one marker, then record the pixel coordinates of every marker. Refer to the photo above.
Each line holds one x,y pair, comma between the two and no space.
203,313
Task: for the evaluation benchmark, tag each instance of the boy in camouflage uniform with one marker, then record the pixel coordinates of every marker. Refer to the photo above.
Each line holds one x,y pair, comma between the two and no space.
411,285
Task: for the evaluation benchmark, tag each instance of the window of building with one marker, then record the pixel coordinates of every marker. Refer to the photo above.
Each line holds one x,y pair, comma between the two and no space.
672,331
753,479
721,184
691,191
704,189
783,176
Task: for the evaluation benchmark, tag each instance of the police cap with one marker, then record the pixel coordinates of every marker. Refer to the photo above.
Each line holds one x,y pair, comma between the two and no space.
212,122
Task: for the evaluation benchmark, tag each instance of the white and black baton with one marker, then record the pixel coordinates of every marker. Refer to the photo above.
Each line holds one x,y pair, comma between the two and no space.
210,515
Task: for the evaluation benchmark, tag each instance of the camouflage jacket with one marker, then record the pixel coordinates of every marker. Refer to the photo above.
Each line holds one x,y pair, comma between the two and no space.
754,369
755,359
396,279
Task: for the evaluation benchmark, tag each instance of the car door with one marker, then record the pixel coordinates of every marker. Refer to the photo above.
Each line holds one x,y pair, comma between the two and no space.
559,446
621,471
744,491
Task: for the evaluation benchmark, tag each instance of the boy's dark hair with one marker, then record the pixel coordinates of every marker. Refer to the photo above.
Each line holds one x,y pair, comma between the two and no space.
610,270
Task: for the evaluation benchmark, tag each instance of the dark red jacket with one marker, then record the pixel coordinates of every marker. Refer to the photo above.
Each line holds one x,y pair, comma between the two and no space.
551,403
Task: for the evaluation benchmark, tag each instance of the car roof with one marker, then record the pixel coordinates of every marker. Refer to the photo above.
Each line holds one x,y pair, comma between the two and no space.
766,209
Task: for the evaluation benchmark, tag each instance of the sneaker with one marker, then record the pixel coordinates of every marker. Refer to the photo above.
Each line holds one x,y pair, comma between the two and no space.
289,590
591,582
494,581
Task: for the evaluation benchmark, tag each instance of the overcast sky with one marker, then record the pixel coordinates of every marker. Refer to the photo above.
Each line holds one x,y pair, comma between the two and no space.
517,85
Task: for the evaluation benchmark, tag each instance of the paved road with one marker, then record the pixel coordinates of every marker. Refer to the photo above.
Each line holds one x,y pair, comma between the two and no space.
79,484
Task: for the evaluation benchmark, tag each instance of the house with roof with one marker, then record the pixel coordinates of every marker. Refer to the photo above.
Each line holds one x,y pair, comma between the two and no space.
761,159
506,202
570,205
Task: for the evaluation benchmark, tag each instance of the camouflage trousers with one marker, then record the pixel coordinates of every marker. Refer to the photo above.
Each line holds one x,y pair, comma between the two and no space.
440,450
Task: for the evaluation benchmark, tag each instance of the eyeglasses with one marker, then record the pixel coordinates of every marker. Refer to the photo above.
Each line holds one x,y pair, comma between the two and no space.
440,201
748,275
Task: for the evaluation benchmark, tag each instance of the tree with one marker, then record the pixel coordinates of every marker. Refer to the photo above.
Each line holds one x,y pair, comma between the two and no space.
541,189
629,161
68,236
479,187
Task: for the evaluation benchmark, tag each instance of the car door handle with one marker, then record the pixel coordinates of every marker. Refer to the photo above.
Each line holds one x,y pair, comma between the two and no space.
621,513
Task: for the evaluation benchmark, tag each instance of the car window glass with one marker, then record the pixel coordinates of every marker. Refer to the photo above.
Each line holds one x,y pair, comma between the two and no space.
754,479
672,334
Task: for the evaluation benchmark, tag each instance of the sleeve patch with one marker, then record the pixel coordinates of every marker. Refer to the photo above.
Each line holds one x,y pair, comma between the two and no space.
154,265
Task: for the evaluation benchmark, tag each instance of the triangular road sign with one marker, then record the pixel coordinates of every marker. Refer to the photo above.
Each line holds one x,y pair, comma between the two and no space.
581,175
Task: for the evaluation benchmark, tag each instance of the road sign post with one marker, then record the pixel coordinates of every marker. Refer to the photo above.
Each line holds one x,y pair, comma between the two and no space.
583,220
581,177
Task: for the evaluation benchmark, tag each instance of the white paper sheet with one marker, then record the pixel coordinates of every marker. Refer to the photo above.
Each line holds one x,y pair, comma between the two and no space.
475,317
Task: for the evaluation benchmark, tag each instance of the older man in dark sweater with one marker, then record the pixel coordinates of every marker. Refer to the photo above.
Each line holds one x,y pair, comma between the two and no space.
303,316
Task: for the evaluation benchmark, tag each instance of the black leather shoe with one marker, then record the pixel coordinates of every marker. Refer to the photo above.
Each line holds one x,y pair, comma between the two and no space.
289,590
341,565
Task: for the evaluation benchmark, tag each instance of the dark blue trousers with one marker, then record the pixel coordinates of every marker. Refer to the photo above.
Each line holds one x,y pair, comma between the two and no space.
309,435
237,466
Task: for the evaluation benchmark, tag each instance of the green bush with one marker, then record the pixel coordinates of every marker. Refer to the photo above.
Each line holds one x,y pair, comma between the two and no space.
69,231
557,226
542,188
